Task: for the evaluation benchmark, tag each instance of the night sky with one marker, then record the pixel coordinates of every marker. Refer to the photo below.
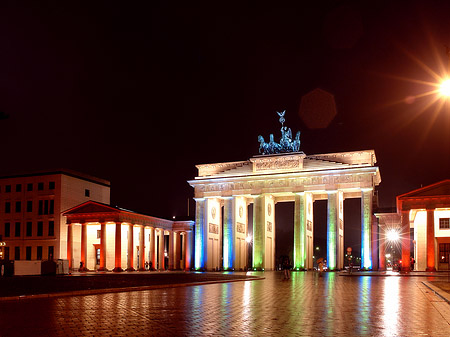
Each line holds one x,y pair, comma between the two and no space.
139,93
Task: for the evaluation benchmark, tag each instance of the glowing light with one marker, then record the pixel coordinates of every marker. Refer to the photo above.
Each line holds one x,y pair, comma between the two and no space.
445,88
392,235
248,238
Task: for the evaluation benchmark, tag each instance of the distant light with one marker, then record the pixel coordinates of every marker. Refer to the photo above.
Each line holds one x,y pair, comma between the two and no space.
317,248
173,217
388,255
445,88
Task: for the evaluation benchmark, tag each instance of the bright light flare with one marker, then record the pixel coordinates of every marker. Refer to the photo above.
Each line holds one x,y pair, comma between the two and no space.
392,235
445,88
248,239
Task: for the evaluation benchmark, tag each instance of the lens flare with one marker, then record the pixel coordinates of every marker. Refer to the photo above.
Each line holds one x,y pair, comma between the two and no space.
445,88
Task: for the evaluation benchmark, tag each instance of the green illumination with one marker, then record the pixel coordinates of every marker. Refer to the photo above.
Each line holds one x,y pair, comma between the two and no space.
331,231
299,232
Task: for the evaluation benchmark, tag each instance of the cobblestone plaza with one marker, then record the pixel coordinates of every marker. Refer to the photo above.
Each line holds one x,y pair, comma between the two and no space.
306,305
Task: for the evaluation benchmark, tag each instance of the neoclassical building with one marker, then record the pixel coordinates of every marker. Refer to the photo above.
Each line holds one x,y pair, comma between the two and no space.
103,237
427,211
264,180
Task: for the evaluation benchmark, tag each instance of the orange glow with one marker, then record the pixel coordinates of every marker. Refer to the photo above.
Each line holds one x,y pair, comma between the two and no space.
445,88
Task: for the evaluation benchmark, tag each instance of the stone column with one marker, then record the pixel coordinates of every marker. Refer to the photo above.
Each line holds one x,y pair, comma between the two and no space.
161,250
382,248
152,256
258,232
118,248
141,249
171,250
405,241
187,250
84,246
366,228
332,230
102,247
299,232
70,245
130,259
178,250
430,241
200,234
375,243
229,243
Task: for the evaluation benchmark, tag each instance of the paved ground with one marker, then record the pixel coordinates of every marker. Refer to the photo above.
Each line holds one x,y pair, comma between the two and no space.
306,305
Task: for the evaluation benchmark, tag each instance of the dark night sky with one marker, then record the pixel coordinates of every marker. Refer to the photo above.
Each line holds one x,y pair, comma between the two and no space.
139,93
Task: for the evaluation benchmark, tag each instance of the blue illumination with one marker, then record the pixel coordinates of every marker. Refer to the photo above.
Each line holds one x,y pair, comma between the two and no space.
228,253
199,242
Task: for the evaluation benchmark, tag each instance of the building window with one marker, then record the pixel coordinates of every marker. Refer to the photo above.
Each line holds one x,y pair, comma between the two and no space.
17,253
17,230
7,207
8,188
19,188
87,193
28,253
99,234
40,186
51,228
50,252
39,253
51,185
29,228
7,230
18,207
444,223
41,207
29,206
51,209
444,251
40,228
6,257
29,187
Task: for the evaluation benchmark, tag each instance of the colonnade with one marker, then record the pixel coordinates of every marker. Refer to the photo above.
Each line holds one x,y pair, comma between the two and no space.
212,232
126,245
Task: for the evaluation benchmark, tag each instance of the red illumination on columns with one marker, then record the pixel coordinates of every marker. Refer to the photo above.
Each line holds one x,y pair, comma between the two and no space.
152,247
70,245
102,247
83,246
141,249
130,261
382,249
405,241
118,248
430,240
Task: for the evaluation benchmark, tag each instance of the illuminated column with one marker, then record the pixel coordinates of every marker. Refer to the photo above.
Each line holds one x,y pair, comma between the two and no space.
118,248
152,254
375,243
141,249
332,228
84,245
299,231
340,232
405,240
188,250
162,243
130,260
102,247
229,233
382,247
200,233
70,245
171,250
366,226
177,250
309,231
258,232
430,241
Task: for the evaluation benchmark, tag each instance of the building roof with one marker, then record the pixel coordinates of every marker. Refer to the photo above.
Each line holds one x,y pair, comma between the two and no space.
67,172
436,195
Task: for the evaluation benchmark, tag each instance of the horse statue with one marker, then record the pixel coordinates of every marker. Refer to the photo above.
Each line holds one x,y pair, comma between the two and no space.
296,143
263,146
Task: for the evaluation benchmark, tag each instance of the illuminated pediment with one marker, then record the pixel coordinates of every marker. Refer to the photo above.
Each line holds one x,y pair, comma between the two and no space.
441,188
91,207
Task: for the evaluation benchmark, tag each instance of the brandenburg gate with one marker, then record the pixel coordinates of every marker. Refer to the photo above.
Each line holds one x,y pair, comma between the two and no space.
281,173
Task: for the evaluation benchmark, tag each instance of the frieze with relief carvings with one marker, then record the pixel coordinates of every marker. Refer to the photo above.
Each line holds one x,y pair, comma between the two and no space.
269,226
213,228
285,182
240,227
